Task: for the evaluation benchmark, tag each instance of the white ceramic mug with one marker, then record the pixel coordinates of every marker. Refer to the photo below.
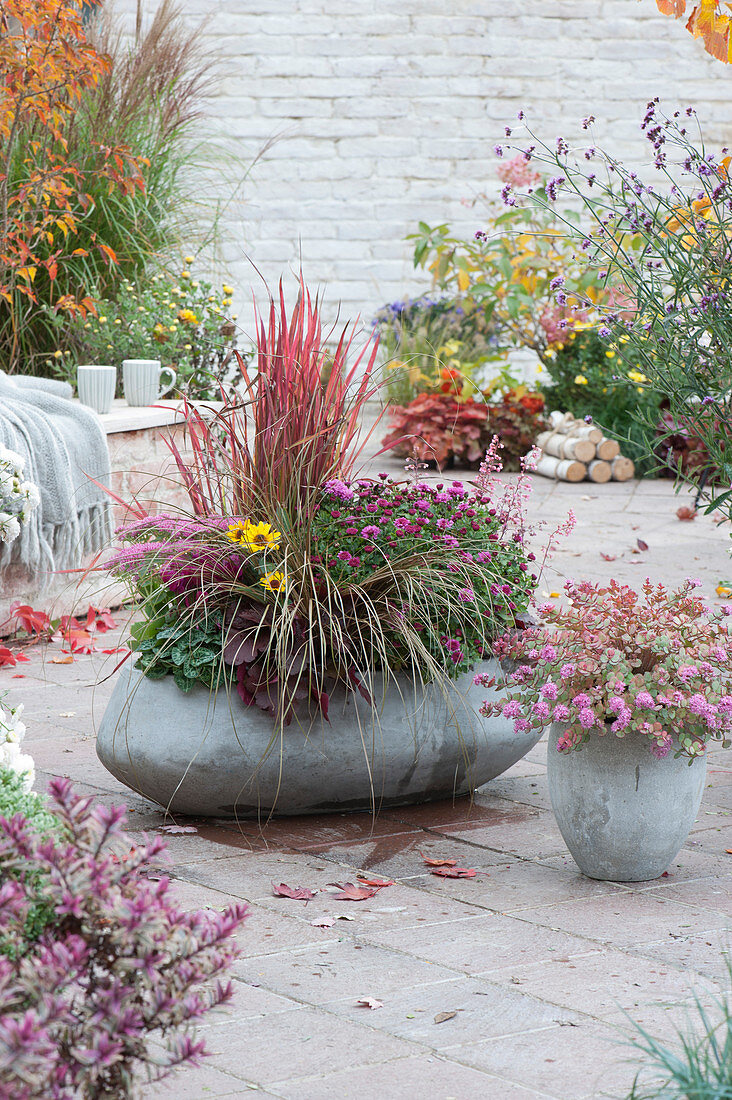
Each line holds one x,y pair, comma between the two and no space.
141,379
96,386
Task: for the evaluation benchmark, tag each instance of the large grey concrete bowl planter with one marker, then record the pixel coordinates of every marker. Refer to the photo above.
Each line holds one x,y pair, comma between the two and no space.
206,754
624,814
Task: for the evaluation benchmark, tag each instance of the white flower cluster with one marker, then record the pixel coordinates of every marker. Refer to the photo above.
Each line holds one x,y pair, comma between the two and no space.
18,498
12,732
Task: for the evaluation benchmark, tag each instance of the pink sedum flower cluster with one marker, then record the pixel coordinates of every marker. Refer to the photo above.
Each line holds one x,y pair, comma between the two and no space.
655,664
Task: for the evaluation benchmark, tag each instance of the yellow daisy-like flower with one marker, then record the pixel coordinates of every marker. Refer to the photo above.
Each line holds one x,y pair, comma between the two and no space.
188,259
188,316
273,582
228,290
609,354
185,274
254,537
580,380
636,376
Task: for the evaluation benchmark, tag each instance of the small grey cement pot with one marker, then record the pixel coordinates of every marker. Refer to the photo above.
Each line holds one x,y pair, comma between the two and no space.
207,755
624,814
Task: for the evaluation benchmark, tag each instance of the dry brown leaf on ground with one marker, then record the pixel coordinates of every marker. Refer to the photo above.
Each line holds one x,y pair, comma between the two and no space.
686,514
438,862
441,1017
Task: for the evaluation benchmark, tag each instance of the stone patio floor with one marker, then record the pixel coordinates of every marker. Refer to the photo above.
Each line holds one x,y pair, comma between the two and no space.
514,984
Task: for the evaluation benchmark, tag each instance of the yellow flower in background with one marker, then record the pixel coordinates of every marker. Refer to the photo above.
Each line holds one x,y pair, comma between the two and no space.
274,582
609,354
228,290
57,354
188,259
188,316
102,320
580,380
636,376
185,274
549,354
722,590
254,537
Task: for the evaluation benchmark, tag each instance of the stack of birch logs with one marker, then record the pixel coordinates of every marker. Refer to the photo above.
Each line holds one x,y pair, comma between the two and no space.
573,450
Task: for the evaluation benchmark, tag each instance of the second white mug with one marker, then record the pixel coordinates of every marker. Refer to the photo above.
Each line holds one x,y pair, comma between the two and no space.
141,381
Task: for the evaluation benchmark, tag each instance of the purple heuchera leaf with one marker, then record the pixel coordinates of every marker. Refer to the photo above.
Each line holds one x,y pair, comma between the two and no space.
105,997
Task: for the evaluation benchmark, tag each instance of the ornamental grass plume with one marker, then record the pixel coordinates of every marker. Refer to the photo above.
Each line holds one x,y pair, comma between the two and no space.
615,662
105,998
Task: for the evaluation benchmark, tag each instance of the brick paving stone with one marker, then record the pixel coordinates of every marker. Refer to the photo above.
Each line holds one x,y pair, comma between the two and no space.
491,943
298,1044
404,1078
602,981
515,884
625,918
333,970
198,1084
701,951
581,1062
483,1009
399,905
711,893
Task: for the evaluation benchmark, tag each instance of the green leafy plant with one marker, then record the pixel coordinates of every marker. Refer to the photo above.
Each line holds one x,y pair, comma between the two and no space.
425,341
184,322
666,244
583,379
512,268
146,101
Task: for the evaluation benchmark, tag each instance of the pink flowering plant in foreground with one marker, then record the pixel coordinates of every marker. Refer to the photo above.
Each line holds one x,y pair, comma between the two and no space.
655,664
104,997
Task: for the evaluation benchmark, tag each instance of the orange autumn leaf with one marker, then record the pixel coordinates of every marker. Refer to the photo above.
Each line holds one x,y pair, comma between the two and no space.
707,21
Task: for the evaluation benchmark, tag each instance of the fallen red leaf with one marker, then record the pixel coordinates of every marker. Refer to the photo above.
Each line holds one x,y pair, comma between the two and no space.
379,883
454,872
7,657
349,892
641,544
608,557
438,862
685,513
299,893
32,621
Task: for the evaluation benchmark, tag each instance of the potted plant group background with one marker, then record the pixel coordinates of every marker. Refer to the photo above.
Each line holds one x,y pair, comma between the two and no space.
633,689
308,638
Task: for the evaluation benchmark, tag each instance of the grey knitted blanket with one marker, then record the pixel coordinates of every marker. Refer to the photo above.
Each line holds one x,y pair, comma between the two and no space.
63,445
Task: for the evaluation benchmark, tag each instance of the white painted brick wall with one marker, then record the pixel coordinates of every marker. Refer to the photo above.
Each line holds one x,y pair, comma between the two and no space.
388,114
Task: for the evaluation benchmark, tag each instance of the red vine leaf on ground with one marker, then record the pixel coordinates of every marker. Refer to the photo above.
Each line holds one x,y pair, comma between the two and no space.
379,883
299,893
30,620
349,892
641,544
686,514
454,872
7,657
608,557
438,862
